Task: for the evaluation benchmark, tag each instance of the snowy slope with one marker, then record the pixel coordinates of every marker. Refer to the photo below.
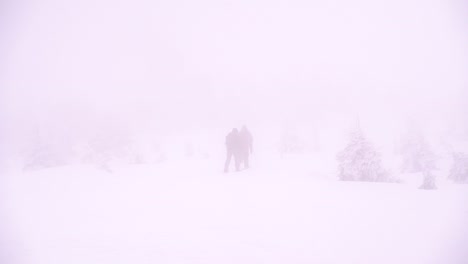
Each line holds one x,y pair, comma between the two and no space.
190,212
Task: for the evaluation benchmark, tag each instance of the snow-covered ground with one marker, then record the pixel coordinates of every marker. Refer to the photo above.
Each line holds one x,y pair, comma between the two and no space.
280,211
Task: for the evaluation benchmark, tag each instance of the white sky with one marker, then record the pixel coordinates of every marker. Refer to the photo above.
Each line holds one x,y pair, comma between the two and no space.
215,63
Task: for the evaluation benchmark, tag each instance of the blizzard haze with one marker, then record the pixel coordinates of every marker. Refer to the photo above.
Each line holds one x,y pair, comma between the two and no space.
114,116
184,64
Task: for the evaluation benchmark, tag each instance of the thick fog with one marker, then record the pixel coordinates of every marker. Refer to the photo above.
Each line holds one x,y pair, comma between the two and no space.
89,88
180,65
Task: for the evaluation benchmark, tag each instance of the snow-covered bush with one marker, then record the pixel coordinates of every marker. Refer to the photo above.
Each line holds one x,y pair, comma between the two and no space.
359,161
104,148
150,152
197,150
415,152
290,141
46,152
417,156
427,163
43,156
290,144
459,170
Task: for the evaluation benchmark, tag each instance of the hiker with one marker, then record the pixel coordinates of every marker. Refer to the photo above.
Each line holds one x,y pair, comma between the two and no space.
245,140
232,149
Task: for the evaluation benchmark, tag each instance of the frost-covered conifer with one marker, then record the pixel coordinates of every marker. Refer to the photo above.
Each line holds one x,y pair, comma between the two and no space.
359,161
459,170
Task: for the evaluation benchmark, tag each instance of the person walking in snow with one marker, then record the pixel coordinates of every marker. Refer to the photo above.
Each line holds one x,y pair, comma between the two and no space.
232,149
245,140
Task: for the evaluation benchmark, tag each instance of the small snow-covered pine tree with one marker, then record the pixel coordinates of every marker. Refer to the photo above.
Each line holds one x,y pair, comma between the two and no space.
359,161
459,170
417,156
290,142
413,150
426,160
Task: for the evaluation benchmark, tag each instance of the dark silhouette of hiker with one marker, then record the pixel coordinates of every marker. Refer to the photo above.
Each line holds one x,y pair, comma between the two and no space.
245,140
232,149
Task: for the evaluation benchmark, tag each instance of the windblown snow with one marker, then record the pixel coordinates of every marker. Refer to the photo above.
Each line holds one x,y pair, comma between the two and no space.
188,211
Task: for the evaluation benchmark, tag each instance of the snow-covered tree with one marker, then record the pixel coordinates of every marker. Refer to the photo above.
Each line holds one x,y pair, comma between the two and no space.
104,148
418,157
427,165
46,152
459,170
415,152
359,161
290,142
